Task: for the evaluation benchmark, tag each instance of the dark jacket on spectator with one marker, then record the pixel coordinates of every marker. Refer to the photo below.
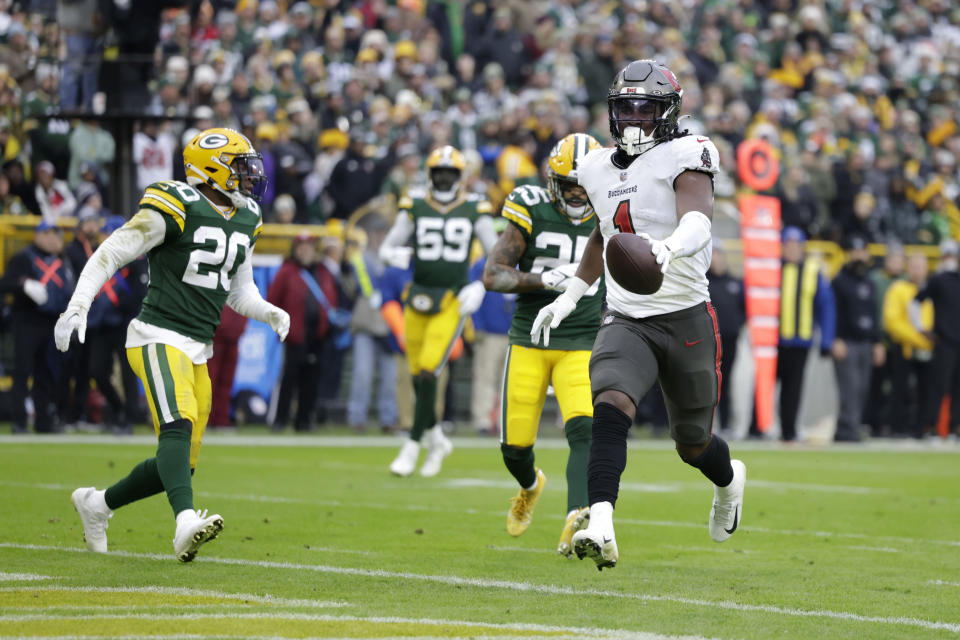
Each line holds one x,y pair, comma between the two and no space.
726,295
289,292
54,271
856,299
944,289
357,179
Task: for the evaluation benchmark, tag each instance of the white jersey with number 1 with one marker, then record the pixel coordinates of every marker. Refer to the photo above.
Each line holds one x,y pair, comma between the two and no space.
641,199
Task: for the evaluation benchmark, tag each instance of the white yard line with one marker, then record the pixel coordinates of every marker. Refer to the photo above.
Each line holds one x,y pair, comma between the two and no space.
944,583
22,577
528,587
192,593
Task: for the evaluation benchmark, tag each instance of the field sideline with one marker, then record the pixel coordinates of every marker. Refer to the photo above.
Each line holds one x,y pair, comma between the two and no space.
321,542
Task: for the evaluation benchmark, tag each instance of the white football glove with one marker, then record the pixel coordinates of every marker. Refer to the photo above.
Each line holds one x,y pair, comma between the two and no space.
70,320
471,297
661,251
35,291
558,279
279,321
398,257
550,317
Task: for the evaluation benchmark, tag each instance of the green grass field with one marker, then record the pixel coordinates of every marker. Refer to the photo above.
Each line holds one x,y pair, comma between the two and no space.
320,541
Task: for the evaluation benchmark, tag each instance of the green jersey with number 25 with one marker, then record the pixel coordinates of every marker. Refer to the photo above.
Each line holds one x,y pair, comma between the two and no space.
553,240
191,270
442,236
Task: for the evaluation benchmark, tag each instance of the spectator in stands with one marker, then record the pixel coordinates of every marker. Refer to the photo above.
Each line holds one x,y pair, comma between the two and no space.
943,290
303,288
857,348
153,149
20,187
356,178
53,196
806,303
73,385
113,308
490,344
89,142
17,56
223,365
372,348
910,327
879,409
727,297
333,251
10,203
80,23
41,281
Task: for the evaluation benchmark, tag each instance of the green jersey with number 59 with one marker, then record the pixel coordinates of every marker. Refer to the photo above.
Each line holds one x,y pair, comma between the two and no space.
442,237
553,240
191,270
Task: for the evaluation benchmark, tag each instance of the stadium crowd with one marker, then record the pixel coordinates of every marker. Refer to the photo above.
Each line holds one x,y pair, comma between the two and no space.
345,100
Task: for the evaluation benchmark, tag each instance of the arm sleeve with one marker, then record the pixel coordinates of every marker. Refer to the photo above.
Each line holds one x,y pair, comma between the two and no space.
398,235
244,296
142,232
483,227
826,312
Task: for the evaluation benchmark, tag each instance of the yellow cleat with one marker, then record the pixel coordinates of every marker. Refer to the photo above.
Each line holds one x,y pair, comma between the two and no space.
576,521
522,505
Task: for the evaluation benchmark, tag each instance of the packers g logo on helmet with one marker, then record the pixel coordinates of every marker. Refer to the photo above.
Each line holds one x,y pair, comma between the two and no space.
225,160
445,166
562,167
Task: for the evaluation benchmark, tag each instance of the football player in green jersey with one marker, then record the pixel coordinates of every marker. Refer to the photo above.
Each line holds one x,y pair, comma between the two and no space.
199,239
443,221
534,257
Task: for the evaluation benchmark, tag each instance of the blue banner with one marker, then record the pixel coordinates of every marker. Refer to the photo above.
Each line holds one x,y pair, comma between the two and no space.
260,357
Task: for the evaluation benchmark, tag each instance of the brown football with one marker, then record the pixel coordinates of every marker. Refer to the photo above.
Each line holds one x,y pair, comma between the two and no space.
632,264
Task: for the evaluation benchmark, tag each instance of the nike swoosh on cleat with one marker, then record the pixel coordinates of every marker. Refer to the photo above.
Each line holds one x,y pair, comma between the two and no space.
688,343
735,522
701,139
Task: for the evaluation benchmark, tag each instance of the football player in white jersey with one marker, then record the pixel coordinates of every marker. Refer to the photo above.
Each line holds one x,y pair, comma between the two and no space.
658,183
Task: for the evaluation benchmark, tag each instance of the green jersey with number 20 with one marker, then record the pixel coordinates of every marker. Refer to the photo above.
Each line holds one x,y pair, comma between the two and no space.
191,270
553,240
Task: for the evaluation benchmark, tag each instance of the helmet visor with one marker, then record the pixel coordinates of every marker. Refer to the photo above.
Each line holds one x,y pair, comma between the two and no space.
636,112
251,178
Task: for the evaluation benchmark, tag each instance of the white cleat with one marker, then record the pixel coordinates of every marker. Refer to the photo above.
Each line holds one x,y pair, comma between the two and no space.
193,531
727,506
94,514
438,448
406,461
596,546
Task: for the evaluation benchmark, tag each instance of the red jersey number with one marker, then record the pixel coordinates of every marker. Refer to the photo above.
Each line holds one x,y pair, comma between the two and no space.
621,219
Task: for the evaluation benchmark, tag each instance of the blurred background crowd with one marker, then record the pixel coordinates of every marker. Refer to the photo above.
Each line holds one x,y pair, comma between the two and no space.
344,99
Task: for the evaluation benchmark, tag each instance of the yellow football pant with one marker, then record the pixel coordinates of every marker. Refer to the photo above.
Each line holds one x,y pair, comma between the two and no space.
430,337
526,375
176,388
